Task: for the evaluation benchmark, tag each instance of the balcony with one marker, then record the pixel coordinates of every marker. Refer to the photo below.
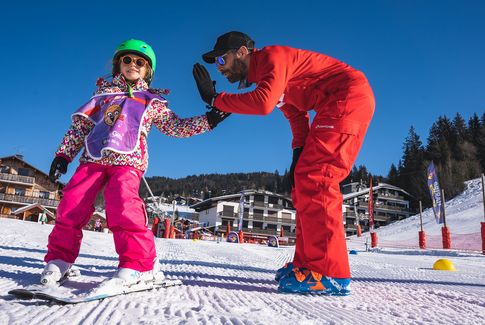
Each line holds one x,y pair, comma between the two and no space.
266,231
260,204
383,206
277,206
392,196
271,219
28,200
391,207
381,218
17,179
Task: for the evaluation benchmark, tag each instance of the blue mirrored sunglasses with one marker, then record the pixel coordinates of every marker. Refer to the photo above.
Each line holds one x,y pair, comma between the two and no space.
219,60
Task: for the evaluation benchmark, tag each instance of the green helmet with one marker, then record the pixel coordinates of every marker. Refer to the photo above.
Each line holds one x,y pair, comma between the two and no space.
137,47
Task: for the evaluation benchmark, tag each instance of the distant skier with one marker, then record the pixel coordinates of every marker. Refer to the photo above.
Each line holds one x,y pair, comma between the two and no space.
297,81
97,225
113,127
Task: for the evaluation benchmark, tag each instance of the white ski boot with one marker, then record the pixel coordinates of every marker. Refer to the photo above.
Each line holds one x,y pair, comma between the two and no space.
55,273
158,275
128,280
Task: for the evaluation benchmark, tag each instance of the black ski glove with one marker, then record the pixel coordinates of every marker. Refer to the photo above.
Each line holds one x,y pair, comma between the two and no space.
296,156
58,167
215,116
204,83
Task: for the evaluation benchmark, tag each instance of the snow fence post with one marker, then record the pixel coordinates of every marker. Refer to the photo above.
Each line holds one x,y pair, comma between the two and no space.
483,238
422,240
445,232
167,228
422,234
241,236
373,237
483,223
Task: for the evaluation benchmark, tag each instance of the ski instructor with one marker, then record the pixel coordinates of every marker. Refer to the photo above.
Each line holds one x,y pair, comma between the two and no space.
297,81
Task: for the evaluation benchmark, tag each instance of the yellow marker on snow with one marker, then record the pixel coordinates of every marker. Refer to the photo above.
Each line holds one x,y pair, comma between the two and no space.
444,265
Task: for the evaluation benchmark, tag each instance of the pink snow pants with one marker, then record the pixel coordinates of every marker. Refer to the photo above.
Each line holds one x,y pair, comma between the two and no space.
125,214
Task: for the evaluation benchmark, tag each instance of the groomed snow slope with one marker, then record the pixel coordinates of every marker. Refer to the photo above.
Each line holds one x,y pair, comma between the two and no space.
233,283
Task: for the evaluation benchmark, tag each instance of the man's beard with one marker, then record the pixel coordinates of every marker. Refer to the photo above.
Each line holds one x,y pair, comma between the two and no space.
238,72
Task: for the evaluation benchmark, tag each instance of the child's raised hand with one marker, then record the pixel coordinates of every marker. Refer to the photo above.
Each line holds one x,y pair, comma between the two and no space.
215,116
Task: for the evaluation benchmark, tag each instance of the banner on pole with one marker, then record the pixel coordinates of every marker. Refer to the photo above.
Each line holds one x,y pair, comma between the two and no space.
241,211
370,207
435,192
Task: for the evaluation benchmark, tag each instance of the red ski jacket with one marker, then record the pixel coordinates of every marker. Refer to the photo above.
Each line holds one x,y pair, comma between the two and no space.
295,81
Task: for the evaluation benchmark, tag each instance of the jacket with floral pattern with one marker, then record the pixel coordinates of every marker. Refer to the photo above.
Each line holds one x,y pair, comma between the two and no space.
157,113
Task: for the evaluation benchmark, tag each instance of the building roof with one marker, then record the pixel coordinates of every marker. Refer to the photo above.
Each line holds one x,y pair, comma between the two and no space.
208,202
32,206
100,214
379,186
21,158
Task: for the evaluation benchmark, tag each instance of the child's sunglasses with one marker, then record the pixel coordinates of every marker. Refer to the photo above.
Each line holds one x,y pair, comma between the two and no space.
138,61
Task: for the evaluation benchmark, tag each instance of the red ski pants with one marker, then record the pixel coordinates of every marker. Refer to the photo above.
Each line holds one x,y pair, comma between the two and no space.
330,150
125,213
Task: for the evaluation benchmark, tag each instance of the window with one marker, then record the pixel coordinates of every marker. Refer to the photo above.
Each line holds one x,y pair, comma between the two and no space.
20,191
44,195
226,221
286,216
228,210
23,172
257,225
271,226
274,200
4,169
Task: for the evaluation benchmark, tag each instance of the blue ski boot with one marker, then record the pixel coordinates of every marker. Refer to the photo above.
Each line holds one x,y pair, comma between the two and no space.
307,281
284,271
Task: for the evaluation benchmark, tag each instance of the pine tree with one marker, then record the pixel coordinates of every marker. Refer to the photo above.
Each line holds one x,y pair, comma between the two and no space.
465,165
439,147
474,129
459,137
393,176
445,148
362,174
412,173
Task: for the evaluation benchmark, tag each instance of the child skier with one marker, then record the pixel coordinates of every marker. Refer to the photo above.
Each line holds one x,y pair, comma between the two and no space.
113,127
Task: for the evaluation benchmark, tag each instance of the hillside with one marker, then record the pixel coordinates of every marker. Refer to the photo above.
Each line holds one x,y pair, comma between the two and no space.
203,186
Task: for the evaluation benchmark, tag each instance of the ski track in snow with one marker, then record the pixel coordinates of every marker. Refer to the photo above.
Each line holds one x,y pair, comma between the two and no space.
234,284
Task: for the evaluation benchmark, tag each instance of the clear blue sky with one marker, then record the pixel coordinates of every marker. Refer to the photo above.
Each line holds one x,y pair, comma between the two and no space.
423,59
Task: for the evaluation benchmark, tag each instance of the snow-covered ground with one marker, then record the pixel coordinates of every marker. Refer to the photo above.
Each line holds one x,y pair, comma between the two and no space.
233,283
